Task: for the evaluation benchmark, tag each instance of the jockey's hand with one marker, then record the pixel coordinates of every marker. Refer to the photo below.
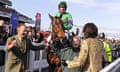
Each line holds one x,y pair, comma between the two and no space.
11,44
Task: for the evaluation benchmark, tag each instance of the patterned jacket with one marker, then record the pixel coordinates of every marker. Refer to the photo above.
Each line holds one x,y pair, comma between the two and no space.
90,57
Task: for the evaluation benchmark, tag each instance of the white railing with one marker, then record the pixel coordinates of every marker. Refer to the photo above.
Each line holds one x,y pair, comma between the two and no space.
42,63
33,65
113,67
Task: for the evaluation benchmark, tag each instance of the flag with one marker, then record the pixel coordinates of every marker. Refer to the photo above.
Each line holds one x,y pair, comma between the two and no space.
14,23
38,22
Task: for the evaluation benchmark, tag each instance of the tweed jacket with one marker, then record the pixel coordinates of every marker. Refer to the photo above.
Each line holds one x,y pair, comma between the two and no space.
17,56
90,57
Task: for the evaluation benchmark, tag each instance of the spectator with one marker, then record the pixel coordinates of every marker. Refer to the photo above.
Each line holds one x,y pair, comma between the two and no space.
107,48
39,37
91,54
29,28
70,53
17,48
2,22
30,35
2,32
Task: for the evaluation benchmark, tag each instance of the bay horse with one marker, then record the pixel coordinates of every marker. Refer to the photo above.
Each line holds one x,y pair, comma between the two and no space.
57,37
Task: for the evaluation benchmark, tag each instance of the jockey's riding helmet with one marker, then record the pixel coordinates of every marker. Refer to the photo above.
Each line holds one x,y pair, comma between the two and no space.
62,3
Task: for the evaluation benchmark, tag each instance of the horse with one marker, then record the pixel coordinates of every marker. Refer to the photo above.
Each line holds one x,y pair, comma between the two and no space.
57,37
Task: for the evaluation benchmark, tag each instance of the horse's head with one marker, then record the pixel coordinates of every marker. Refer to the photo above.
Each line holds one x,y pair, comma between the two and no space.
57,27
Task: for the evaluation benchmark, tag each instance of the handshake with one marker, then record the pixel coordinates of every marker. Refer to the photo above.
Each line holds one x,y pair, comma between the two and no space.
65,62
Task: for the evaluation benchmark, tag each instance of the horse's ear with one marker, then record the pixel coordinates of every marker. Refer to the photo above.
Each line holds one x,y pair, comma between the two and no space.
51,17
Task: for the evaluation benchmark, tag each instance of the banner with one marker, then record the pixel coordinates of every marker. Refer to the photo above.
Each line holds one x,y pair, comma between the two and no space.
14,22
38,22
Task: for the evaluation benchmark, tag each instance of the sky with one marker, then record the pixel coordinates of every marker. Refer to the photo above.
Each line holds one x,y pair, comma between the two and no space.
104,13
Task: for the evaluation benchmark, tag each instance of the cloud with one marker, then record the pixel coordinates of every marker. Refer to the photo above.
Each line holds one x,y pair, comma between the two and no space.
106,30
84,2
94,3
113,6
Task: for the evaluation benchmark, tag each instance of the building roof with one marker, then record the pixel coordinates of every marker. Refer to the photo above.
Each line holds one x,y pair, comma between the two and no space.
6,2
6,12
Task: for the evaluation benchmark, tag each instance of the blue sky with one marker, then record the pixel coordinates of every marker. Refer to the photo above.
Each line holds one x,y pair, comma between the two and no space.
104,13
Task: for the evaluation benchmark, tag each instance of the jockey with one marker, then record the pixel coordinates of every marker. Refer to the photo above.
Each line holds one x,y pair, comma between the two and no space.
65,16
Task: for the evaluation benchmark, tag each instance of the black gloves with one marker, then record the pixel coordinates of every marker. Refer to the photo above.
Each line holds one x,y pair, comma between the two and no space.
64,63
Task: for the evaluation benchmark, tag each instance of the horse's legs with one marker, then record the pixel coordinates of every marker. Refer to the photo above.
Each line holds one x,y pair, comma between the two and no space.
51,68
59,69
54,63
51,57
50,62
58,65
